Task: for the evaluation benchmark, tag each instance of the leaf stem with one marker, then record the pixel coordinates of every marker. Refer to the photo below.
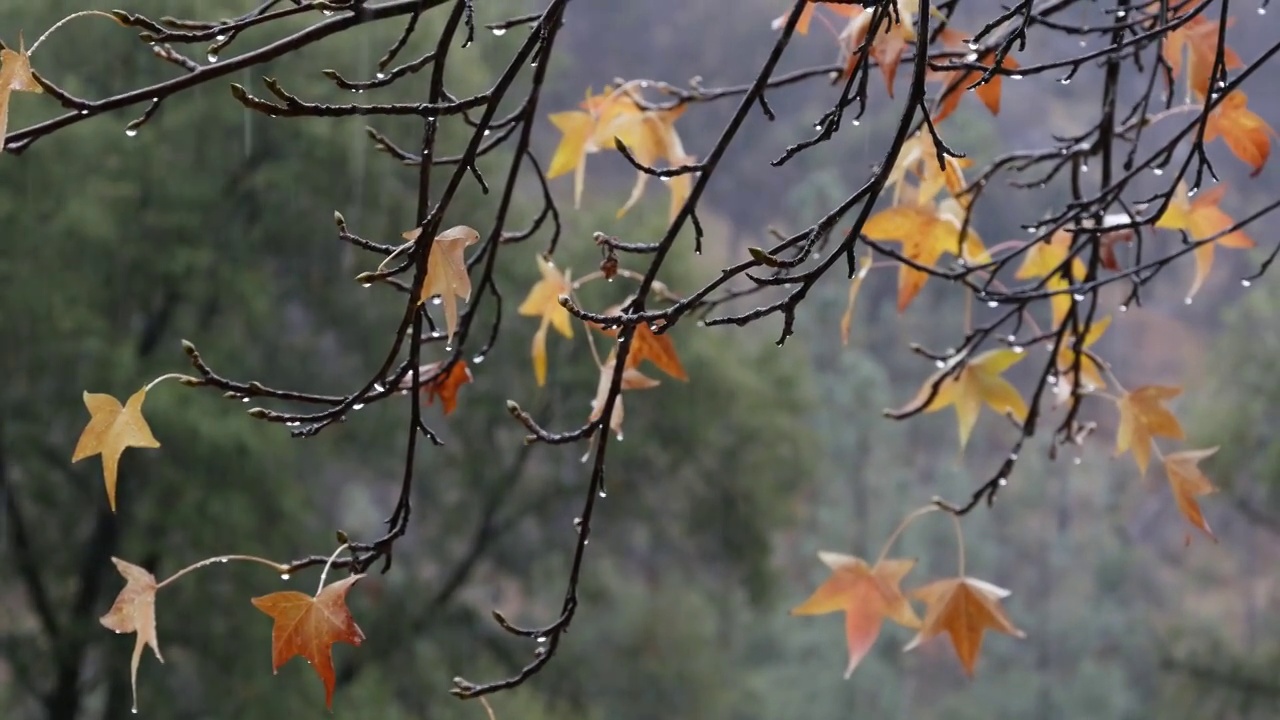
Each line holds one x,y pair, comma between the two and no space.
221,559
910,518
64,21
325,571
162,378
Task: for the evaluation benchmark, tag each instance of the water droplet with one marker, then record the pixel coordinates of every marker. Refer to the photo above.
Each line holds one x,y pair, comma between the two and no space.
291,423
467,44
380,76
972,45
358,406
1262,11
84,111
131,132
1013,457
244,399
939,364
133,710
971,57
1002,481
436,300
1157,171
499,31
1077,297
477,359
1075,460
1186,300
1018,349
487,132
220,38
212,57
284,576
855,122
541,638
1124,308
1084,43
448,348
602,493
1065,80
223,560
1015,76
1084,168
1121,13
326,12
1246,283
817,126
992,304
436,334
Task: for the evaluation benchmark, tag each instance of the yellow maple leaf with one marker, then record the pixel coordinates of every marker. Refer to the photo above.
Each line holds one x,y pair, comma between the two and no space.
1090,372
1187,482
919,156
112,428
1201,218
15,75
926,233
1143,416
978,382
543,301
447,271
963,608
866,595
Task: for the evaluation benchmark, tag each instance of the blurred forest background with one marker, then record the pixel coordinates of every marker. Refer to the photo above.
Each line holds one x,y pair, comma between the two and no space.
215,225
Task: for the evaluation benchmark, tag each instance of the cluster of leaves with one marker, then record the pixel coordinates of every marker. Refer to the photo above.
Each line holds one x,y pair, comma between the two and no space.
1073,255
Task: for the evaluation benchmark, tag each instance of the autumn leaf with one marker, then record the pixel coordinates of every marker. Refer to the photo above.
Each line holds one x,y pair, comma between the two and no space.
444,386
926,233
309,626
1045,259
1188,482
647,345
543,301
1247,136
447,271
964,608
1202,219
846,320
1090,372
888,45
978,382
806,16
15,75
919,156
1143,416
632,379
134,611
111,429
866,595
1198,40
958,81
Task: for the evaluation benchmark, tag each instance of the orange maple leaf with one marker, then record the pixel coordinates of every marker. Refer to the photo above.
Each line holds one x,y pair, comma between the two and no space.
112,428
866,595
1144,416
963,607
957,81
309,626
647,345
978,382
1198,39
926,233
134,611
1247,136
1187,482
806,15
888,45
15,75
1202,219
446,385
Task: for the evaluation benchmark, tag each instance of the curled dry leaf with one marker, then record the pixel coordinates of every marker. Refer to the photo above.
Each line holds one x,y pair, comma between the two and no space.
978,382
1187,482
15,75
134,611
447,270
112,428
309,626
867,595
963,608
1143,416
632,379
543,301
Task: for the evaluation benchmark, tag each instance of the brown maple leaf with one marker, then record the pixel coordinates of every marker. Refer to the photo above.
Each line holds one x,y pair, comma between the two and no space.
111,429
447,271
866,595
15,75
309,626
962,607
1188,482
632,379
444,386
134,611
648,345
1144,416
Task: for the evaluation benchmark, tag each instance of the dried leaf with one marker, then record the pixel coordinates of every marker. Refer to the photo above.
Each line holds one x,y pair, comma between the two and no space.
632,379
1143,416
846,321
866,595
1188,482
15,75
647,345
443,386
447,271
543,301
134,611
309,626
964,608
111,429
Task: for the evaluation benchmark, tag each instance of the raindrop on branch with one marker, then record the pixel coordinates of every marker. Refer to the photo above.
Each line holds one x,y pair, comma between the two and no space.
499,31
